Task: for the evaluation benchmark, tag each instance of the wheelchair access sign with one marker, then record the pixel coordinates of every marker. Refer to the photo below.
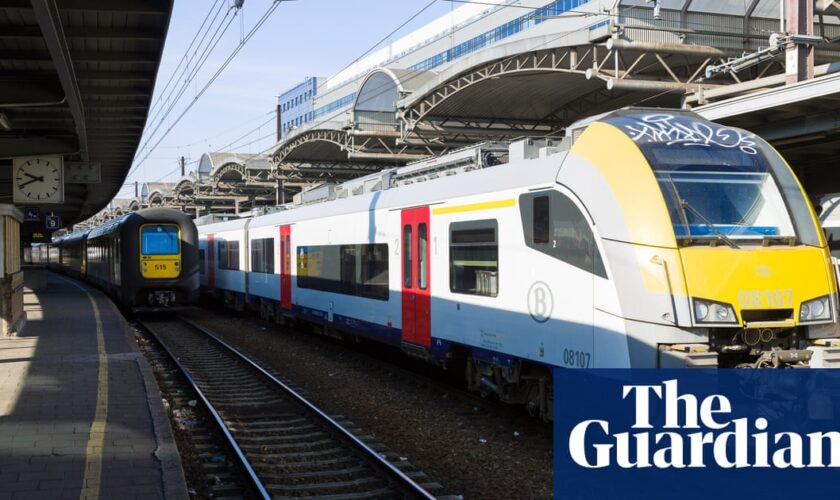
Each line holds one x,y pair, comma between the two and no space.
31,214
52,222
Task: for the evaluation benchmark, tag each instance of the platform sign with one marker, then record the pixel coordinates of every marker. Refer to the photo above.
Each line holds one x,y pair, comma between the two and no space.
696,434
31,214
52,222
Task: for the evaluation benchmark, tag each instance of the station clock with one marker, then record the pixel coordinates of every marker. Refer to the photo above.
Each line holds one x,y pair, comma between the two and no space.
38,180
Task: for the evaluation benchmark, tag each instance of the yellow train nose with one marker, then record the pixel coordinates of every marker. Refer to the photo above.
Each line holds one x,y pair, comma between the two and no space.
776,285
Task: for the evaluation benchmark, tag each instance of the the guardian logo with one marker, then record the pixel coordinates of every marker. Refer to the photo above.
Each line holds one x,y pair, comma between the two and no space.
695,434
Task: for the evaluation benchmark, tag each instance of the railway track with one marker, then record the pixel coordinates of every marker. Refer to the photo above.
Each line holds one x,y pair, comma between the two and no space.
287,446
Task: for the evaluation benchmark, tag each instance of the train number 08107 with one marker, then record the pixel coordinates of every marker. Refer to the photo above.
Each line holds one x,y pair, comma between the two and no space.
576,359
765,298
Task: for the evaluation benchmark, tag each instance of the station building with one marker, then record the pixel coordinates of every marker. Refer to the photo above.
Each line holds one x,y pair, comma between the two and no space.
467,29
296,106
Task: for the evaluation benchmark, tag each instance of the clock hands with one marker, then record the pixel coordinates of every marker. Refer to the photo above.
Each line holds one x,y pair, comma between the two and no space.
34,179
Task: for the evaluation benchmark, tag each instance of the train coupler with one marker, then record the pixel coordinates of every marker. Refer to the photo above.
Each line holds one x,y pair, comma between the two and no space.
162,298
781,358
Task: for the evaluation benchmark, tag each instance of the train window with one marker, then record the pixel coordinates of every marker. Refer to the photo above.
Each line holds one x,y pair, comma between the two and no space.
422,250
202,261
159,239
229,255
474,257
359,270
541,219
563,232
262,255
117,261
407,246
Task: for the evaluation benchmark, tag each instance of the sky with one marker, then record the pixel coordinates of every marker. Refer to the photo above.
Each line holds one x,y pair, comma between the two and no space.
302,38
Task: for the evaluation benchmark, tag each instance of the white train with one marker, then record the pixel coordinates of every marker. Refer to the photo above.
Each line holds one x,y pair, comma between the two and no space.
657,239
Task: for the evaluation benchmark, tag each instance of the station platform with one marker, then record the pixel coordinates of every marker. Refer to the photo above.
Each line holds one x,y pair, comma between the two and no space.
80,412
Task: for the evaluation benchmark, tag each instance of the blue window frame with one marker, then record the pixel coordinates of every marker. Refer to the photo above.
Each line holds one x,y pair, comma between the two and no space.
159,239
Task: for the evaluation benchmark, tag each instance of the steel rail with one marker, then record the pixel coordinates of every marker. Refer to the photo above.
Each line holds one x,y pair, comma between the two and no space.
257,483
406,483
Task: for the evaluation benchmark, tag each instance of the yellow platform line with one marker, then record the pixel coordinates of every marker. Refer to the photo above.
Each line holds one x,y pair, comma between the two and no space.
471,207
96,440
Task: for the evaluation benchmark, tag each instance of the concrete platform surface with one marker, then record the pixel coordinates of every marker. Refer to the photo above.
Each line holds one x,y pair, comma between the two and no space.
80,412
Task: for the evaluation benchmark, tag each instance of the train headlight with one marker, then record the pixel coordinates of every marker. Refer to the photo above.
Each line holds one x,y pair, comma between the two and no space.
815,310
707,311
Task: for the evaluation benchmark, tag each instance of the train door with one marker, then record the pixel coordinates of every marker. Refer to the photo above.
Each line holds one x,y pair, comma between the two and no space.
211,262
286,267
416,296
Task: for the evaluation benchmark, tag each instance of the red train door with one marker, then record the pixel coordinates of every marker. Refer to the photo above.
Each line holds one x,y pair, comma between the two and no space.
286,267
211,262
416,278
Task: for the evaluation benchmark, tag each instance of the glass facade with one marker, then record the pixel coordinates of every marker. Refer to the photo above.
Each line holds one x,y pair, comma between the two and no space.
337,104
297,116
506,30
296,106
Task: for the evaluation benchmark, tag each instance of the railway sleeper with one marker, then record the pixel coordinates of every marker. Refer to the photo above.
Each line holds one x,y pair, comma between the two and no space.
303,445
313,464
265,438
331,487
258,455
327,474
263,431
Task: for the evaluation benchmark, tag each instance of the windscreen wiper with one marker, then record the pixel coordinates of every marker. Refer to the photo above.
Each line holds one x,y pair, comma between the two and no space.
684,205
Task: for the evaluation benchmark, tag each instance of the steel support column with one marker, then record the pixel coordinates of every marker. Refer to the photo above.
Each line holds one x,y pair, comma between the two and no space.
799,60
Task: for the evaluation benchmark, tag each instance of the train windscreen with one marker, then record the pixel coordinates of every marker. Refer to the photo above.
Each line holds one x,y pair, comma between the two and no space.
159,239
718,180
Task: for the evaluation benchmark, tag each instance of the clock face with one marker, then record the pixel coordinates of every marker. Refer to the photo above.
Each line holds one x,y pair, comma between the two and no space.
38,180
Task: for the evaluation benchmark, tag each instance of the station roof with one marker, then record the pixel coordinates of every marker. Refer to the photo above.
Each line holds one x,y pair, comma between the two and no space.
801,120
76,80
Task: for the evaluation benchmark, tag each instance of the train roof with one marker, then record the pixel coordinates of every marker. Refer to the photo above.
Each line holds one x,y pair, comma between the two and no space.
108,227
534,172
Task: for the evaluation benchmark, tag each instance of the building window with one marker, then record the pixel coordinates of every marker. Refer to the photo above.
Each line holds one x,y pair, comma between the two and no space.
358,270
229,255
474,257
262,255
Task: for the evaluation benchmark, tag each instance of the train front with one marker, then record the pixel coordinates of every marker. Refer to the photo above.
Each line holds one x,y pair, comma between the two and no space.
168,261
728,251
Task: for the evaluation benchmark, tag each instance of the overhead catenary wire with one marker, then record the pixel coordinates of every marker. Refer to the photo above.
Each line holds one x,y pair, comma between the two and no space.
208,50
368,51
413,74
416,73
381,40
272,8
184,58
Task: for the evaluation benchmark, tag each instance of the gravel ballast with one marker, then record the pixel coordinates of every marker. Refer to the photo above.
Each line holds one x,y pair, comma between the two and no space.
478,449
